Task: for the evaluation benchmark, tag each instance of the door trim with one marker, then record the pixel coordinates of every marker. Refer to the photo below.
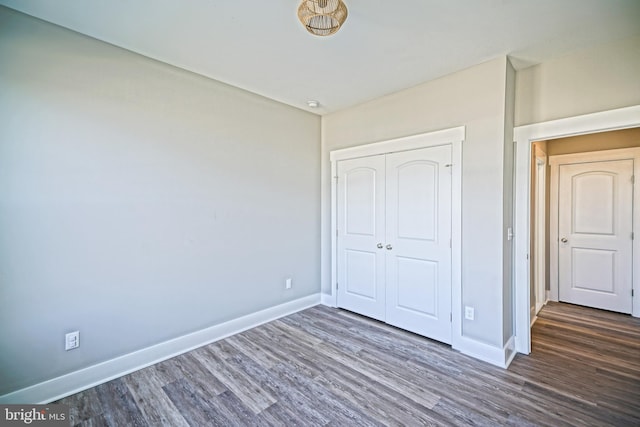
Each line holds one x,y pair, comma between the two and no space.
539,258
567,159
454,137
525,136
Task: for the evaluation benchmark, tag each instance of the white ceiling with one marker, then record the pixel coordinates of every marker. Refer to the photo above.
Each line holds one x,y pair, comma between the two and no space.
383,47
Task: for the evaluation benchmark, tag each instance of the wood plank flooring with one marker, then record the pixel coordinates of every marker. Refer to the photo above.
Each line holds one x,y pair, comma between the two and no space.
330,367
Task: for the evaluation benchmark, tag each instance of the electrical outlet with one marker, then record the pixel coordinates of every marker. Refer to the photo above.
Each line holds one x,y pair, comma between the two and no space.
72,340
287,283
469,313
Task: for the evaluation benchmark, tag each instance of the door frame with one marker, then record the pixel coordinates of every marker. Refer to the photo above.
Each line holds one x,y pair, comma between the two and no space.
539,246
525,136
592,156
454,137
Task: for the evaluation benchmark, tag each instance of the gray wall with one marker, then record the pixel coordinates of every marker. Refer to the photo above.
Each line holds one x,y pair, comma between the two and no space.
599,78
139,202
475,98
508,208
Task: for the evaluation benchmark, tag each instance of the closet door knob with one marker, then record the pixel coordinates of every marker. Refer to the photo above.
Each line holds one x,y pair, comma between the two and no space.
564,240
380,246
389,247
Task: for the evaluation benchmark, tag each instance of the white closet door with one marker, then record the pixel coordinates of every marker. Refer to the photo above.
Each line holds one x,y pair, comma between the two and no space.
594,230
418,233
361,263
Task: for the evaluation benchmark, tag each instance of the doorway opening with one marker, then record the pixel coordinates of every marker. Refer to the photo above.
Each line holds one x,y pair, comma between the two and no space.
581,220
525,136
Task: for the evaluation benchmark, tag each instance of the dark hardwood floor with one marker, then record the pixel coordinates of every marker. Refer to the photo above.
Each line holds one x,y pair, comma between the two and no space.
330,367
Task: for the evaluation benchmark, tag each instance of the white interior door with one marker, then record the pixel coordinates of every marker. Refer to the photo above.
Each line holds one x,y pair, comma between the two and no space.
418,241
595,234
361,225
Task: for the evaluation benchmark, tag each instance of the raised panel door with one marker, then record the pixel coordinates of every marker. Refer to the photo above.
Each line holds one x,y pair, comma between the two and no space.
361,224
594,230
418,235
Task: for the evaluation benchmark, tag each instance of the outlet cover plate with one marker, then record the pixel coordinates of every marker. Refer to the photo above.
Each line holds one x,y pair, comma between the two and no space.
469,313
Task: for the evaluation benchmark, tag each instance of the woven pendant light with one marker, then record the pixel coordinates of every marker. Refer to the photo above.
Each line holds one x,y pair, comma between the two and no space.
322,17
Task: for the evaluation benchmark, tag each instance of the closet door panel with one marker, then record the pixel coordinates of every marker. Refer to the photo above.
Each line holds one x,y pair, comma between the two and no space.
418,233
361,223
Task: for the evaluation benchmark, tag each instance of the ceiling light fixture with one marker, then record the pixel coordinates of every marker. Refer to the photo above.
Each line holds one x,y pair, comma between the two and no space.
322,17
313,103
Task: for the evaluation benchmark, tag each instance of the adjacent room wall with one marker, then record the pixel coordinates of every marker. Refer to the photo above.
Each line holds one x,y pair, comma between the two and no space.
475,98
625,138
139,202
600,78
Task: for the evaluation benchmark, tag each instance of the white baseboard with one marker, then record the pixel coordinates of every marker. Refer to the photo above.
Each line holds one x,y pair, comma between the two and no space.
328,300
497,356
74,382
509,351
